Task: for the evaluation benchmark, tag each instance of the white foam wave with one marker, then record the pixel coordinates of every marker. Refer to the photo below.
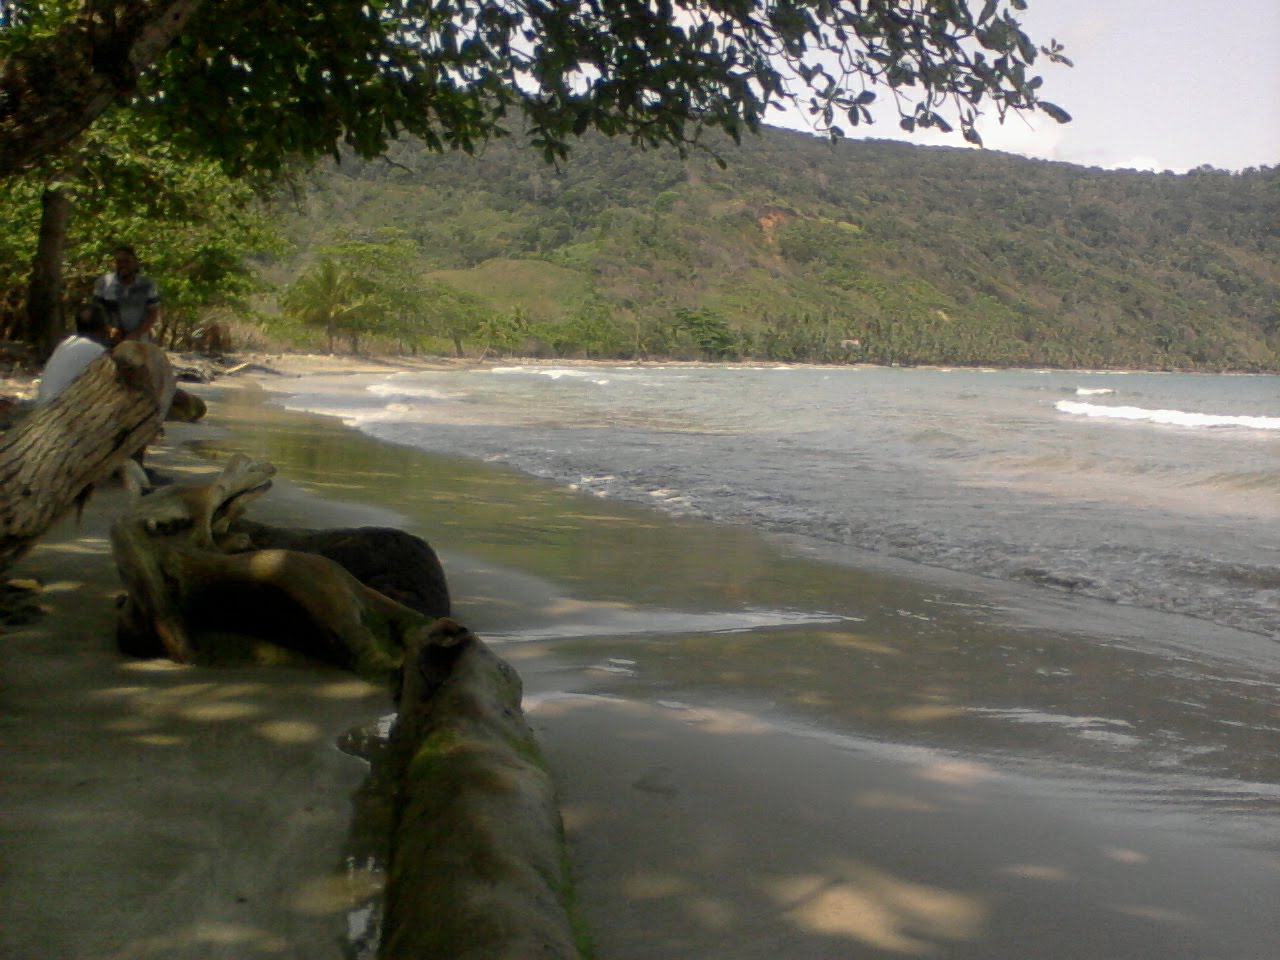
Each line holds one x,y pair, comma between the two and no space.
1177,418
1092,391
418,393
360,417
552,373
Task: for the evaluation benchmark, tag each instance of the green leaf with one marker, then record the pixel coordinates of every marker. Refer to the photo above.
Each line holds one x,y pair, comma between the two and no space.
1055,111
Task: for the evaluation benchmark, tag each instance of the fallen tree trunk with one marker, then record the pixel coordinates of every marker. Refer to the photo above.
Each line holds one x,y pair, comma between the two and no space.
478,869
391,561
52,457
172,550
298,600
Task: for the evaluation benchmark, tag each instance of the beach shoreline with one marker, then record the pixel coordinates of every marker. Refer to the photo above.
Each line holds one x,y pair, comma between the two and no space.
212,822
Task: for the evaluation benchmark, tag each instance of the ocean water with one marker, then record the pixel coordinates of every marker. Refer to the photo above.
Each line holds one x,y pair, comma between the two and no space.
1153,490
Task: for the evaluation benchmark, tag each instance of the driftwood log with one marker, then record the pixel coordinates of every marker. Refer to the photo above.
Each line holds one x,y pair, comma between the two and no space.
477,862
478,868
391,561
54,456
185,572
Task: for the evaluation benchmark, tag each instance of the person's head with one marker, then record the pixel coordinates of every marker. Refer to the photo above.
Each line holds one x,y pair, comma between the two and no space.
91,321
126,261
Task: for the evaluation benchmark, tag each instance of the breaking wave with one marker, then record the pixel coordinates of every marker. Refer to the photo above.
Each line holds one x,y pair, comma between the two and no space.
1178,418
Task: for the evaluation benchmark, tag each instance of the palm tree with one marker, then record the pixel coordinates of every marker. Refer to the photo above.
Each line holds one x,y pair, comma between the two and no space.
328,295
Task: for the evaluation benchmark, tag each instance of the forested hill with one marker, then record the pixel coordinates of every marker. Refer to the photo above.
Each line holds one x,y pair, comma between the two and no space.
800,248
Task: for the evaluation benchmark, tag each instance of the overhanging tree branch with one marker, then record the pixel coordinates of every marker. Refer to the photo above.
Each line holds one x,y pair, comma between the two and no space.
53,88
254,83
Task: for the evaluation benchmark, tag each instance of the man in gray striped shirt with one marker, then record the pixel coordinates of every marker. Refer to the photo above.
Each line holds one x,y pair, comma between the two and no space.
131,297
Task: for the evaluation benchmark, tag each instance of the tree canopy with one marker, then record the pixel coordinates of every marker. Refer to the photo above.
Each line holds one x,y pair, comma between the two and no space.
255,82
193,224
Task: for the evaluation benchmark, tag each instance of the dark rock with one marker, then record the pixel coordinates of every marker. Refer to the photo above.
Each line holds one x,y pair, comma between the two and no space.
186,407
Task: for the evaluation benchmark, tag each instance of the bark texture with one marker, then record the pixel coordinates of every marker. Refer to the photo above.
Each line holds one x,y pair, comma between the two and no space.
45,323
54,455
188,571
478,868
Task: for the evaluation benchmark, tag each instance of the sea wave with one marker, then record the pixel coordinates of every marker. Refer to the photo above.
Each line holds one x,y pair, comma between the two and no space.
1092,391
1179,418
417,393
553,373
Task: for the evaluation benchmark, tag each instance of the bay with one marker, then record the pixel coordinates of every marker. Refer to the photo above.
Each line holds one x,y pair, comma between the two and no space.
946,560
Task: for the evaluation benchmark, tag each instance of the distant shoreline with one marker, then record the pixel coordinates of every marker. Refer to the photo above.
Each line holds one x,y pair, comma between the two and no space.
306,364
19,386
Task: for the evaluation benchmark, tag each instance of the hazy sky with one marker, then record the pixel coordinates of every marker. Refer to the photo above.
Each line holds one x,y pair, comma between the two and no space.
1157,84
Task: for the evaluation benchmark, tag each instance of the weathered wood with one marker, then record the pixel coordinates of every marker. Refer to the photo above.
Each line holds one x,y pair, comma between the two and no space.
171,551
299,600
478,868
186,407
52,456
391,561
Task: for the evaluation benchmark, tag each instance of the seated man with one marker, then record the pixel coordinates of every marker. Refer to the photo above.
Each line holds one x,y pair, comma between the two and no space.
72,355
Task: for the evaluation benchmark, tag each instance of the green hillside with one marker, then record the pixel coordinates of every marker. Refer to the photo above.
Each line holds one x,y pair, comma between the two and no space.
802,250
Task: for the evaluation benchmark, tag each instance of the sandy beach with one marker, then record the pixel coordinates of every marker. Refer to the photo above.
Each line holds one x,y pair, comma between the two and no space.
737,779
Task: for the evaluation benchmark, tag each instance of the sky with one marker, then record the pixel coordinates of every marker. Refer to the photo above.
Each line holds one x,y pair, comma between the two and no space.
1157,85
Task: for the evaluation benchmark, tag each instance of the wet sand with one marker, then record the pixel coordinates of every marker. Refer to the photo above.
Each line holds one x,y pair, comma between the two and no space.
759,754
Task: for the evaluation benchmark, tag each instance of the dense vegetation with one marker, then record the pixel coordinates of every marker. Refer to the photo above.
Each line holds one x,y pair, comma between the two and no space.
804,250
246,89
194,226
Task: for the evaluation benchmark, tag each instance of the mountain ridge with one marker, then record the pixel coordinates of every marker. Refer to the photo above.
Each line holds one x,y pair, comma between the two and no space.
799,249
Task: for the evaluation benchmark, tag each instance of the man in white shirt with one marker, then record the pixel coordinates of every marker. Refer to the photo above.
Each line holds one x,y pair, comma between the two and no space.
130,296
72,355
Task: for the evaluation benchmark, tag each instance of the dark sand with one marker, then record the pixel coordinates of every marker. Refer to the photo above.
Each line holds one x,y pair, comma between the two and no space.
759,755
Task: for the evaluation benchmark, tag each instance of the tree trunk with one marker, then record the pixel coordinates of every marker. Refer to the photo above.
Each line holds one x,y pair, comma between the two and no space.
53,87
300,600
478,869
170,549
45,325
50,459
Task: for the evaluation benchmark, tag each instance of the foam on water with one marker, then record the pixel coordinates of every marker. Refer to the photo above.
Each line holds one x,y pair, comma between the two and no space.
553,373
618,623
1173,417
393,389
